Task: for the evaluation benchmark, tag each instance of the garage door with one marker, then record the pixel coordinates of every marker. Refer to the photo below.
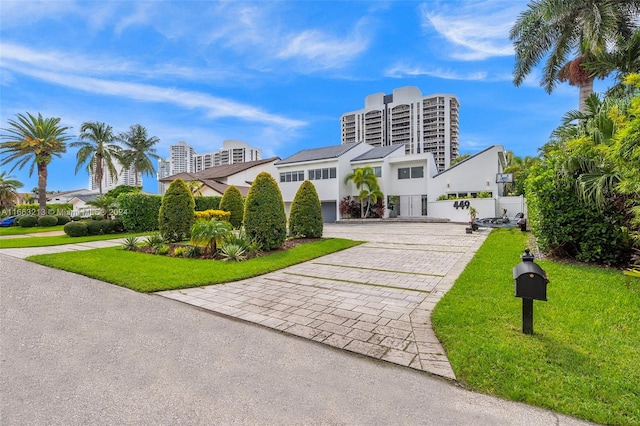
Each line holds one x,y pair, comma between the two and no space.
328,211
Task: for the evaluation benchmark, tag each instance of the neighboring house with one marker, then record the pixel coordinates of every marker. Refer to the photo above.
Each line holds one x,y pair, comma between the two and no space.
217,179
410,182
80,206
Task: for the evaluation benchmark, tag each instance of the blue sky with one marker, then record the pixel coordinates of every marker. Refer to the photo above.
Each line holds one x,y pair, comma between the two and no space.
277,75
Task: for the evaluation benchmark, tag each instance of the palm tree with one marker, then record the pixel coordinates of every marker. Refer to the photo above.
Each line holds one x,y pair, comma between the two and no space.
560,29
34,140
98,151
365,180
8,191
139,151
195,186
105,203
209,233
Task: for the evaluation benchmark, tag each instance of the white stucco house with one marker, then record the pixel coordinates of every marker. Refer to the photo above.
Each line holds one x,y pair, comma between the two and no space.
411,182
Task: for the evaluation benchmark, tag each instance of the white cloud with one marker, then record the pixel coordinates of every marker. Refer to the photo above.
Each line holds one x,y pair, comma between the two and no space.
475,30
401,70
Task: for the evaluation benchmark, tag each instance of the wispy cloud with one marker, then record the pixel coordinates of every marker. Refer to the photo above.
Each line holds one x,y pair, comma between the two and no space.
402,70
215,107
475,30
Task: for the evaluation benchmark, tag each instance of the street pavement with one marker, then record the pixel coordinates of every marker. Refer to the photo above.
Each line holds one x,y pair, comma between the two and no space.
79,351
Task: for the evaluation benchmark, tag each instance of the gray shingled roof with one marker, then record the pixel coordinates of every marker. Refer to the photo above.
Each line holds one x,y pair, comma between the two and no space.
315,154
378,152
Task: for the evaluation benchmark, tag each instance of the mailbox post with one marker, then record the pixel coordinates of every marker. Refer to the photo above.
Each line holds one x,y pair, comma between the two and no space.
530,284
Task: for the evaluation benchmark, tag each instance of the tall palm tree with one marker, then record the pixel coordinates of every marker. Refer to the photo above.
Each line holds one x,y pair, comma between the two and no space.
568,33
34,140
97,151
365,180
139,151
8,191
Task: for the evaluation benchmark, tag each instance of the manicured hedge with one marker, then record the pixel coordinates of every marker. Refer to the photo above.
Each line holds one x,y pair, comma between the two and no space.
203,203
213,214
176,212
264,218
76,229
139,212
233,203
47,221
28,221
305,217
63,219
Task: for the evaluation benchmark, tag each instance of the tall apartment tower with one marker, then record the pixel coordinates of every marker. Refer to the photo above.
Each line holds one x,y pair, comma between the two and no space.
232,152
123,177
181,158
420,123
164,170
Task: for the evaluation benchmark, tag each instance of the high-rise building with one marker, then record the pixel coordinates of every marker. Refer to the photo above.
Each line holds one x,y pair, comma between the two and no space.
122,177
184,159
420,123
181,158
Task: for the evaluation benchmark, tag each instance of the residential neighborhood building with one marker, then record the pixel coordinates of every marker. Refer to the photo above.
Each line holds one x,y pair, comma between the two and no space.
405,117
122,177
411,183
215,180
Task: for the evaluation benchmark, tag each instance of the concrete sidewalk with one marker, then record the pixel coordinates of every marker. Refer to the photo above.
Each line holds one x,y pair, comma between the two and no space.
375,299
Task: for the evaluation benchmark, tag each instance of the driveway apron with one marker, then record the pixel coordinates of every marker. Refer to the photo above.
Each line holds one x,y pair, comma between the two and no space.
375,299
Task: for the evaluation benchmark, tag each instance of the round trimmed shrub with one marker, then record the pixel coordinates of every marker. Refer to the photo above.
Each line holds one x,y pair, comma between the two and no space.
97,217
63,219
28,221
107,226
76,229
233,203
118,225
305,216
94,227
176,212
47,221
76,218
264,218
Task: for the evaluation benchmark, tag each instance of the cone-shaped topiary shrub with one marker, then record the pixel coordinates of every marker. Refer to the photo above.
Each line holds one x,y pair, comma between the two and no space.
305,216
264,219
233,203
176,212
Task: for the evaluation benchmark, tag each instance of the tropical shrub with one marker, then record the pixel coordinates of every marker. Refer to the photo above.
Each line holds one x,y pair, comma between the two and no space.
176,212
233,203
209,233
118,225
139,212
130,243
76,229
305,216
63,219
350,208
193,251
94,227
264,218
567,227
179,251
107,226
232,252
213,214
163,250
47,221
28,221
203,203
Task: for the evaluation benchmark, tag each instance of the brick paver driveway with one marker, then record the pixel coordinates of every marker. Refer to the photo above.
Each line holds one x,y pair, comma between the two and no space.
374,299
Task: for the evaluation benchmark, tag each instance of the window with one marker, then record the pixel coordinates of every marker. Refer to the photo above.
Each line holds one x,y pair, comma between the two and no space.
411,172
318,174
377,171
297,176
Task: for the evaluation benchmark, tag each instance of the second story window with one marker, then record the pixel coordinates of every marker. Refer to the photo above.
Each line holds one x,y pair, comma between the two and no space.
297,176
318,174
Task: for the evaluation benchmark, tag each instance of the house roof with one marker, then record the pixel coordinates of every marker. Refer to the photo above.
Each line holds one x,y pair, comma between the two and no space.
220,187
315,154
86,197
465,160
378,152
219,172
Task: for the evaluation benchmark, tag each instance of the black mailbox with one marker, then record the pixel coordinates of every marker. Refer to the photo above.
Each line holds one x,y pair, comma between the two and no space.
530,281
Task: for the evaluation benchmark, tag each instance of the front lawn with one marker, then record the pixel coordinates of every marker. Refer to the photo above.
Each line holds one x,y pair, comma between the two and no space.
584,355
59,240
149,273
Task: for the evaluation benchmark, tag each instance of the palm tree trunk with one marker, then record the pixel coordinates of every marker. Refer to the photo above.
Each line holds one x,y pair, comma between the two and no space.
586,89
42,189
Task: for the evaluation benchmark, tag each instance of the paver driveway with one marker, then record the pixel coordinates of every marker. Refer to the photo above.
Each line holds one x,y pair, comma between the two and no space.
374,299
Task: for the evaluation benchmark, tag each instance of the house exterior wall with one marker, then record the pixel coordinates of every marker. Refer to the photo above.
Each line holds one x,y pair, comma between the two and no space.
243,178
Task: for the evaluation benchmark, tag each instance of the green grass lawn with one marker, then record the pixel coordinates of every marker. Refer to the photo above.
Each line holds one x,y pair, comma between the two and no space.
19,230
59,240
148,273
584,357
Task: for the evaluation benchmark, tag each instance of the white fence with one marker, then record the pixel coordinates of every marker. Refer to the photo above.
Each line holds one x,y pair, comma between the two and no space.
458,210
